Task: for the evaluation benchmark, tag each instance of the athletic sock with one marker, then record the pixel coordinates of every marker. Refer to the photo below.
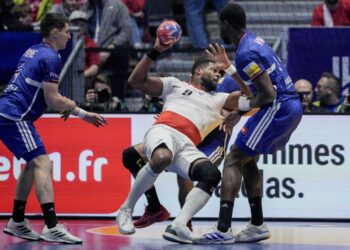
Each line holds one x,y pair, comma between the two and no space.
144,180
18,210
225,215
195,200
152,198
256,211
49,214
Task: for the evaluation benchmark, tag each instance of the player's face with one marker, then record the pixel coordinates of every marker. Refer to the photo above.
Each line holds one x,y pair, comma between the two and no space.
62,37
210,77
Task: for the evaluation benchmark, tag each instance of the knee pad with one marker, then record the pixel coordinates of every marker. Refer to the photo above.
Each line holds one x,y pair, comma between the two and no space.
207,175
132,160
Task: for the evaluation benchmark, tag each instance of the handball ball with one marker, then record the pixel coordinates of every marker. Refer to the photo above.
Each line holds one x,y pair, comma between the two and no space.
169,31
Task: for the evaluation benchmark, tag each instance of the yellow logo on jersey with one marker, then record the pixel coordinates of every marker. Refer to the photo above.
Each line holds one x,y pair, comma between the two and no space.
252,69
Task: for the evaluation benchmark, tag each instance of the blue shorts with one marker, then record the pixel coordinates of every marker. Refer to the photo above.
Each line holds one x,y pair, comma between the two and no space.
214,146
21,138
270,128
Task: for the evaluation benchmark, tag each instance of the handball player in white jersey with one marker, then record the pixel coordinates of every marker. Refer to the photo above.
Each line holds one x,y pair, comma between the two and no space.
191,111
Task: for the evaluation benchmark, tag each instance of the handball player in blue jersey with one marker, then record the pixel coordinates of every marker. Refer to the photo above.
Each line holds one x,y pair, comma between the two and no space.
213,146
33,87
264,133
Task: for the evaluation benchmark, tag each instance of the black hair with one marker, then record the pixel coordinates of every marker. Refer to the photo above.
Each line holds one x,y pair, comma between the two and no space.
201,61
235,15
331,2
52,21
333,82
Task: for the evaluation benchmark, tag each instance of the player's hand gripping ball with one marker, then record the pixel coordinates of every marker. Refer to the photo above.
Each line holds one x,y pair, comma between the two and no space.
169,32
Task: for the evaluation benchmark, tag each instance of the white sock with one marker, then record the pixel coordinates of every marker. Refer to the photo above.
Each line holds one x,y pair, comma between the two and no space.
195,200
144,180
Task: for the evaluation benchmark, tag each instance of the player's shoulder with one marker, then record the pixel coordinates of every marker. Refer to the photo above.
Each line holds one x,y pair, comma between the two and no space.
46,52
173,81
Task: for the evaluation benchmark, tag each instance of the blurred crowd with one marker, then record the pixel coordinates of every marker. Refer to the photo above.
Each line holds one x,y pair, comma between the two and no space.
117,24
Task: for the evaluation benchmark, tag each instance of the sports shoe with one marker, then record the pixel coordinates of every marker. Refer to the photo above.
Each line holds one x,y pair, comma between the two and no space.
124,220
253,233
59,234
180,234
217,237
148,217
21,229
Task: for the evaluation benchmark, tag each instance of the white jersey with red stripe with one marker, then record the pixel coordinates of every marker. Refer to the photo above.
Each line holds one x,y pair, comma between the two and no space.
189,110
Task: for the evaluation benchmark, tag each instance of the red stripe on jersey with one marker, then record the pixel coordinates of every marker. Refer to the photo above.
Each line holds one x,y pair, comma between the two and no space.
181,124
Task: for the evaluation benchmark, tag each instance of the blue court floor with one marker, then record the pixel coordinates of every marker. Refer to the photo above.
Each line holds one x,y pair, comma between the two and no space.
103,234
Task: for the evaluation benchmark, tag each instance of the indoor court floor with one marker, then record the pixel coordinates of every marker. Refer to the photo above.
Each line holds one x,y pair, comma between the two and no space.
103,234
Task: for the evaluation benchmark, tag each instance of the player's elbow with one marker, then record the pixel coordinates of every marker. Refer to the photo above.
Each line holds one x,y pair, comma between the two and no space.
135,83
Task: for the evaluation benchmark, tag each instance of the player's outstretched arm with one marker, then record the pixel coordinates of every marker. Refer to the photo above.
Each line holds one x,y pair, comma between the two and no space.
218,52
139,78
55,100
60,103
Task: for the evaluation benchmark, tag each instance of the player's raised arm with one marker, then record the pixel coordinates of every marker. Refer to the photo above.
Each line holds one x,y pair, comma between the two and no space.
139,78
219,53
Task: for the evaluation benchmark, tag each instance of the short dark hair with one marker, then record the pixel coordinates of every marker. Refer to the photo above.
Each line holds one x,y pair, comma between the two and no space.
201,61
52,21
333,83
235,15
103,78
21,10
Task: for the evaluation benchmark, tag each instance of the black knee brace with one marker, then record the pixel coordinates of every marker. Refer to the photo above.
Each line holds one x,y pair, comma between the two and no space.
132,160
207,175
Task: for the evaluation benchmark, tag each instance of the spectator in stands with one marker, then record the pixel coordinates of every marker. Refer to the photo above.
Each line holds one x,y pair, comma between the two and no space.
92,61
328,94
139,24
99,98
304,89
6,8
195,21
66,7
22,18
110,26
152,104
332,13
347,103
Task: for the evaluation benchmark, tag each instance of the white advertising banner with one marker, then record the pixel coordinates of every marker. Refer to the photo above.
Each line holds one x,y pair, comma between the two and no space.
309,179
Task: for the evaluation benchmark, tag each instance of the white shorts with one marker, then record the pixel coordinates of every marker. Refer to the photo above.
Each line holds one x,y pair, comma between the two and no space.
183,149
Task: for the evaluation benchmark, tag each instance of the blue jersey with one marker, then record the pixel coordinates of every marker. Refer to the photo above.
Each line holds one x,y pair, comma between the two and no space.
215,143
271,127
23,99
254,56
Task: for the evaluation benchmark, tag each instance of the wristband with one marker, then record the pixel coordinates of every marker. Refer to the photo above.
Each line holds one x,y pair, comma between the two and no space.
231,70
244,103
153,54
81,113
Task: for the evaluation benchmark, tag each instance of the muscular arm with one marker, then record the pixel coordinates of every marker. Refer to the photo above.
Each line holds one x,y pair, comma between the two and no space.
140,80
265,91
55,100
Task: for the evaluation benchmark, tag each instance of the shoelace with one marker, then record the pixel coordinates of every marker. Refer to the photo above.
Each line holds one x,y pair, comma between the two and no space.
125,215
